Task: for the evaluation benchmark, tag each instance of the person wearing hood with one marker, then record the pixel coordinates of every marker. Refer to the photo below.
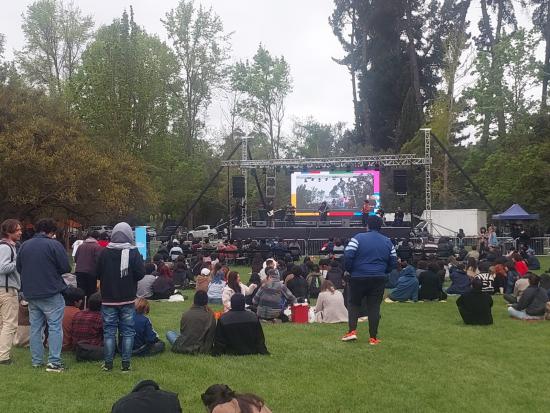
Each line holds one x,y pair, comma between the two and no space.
119,268
239,332
475,306
271,295
407,285
460,281
176,250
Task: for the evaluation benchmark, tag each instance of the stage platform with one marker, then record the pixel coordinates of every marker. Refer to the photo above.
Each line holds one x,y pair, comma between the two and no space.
309,232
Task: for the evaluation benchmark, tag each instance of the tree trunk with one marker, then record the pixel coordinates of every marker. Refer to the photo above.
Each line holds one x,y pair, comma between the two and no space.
413,64
546,75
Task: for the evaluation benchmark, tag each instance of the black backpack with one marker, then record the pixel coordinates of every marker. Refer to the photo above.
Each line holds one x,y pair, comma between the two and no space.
11,260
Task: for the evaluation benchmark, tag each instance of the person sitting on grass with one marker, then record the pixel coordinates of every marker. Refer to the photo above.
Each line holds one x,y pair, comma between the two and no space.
336,275
460,282
430,284
202,281
407,285
181,274
532,303
146,340
145,285
519,287
216,286
471,268
88,331
272,297
475,306
314,281
296,283
234,286
219,398
163,287
147,397
197,328
486,277
73,301
330,306
520,265
238,331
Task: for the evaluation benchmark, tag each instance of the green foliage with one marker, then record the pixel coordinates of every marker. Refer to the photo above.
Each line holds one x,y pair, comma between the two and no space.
125,87
312,139
49,166
201,48
56,34
266,83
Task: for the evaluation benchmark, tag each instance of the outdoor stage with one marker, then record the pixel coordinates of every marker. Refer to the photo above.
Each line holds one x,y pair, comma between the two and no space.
312,232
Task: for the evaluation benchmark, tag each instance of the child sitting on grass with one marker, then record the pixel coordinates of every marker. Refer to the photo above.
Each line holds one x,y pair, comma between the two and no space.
146,340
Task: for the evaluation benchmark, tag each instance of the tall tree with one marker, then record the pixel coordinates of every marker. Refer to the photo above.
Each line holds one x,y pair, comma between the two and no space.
124,91
202,49
56,34
541,21
395,63
266,82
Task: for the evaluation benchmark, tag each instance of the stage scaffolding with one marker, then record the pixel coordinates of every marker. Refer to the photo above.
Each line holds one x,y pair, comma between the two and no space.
367,162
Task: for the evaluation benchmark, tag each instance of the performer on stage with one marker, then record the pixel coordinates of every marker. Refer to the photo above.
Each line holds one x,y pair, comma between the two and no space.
367,208
398,218
270,214
323,211
290,213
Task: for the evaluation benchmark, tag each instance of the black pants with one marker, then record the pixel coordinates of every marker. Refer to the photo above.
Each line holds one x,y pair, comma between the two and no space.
372,289
87,282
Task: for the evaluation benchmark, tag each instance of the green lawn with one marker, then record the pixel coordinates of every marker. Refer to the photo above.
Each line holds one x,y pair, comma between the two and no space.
428,361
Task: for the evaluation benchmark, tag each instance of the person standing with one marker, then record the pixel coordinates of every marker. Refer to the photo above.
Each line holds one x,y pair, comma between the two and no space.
323,211
10,283
365,211
398,218
86,260
42,261
119,268
368,257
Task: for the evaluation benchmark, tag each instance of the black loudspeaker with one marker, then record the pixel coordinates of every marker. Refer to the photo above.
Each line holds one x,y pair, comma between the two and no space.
400,181
262,214
238,187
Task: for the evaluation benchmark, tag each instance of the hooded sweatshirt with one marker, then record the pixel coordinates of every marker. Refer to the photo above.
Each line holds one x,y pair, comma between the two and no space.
460,282
9,277
407,285
118,288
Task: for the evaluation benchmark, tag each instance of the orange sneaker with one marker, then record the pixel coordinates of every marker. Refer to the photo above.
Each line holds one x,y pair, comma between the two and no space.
374,341
352,335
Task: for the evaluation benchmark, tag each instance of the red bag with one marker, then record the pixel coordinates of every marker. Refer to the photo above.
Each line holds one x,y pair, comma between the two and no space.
300,313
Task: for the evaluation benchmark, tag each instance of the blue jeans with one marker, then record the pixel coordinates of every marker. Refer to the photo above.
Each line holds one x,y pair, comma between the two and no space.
171,336
41,311
522,315
119,317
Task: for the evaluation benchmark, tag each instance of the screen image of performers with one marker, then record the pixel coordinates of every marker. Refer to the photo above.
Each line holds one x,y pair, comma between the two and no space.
290,214
323,211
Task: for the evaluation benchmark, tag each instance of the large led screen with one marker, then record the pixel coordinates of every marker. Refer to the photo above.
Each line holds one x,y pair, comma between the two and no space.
343,191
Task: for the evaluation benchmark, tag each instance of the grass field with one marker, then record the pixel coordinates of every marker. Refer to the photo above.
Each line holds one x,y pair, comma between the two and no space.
428,361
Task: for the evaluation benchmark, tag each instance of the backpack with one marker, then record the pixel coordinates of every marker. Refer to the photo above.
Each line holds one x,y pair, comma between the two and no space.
11,260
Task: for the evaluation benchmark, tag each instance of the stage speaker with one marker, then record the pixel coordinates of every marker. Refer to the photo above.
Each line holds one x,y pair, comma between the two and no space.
262,214
238,187
400,181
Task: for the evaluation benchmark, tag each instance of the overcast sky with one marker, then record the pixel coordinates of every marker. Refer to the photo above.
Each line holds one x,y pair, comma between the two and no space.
296,29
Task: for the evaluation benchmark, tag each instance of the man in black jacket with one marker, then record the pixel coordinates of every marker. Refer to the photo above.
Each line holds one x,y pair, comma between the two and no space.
532,303
147,397
119,268
475,306
239,332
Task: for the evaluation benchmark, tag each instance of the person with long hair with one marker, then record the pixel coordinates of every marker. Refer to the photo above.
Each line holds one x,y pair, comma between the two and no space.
330,306
216,286
219,398
471,267
234,286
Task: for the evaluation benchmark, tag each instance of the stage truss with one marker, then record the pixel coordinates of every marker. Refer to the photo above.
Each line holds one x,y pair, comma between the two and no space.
367,162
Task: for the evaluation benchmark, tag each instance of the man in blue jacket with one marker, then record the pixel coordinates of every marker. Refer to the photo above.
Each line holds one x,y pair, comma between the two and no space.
407,285
369,256
41,261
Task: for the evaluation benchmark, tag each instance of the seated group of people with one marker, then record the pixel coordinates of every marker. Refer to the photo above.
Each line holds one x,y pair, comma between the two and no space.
147,397
475,282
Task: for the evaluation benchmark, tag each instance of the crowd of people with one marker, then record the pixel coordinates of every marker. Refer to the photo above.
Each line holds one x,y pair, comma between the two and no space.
103,308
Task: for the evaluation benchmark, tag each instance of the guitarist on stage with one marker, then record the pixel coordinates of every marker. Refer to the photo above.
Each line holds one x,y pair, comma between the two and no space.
323,211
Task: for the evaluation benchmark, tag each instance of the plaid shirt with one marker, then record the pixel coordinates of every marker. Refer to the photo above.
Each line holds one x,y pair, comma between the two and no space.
88,328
